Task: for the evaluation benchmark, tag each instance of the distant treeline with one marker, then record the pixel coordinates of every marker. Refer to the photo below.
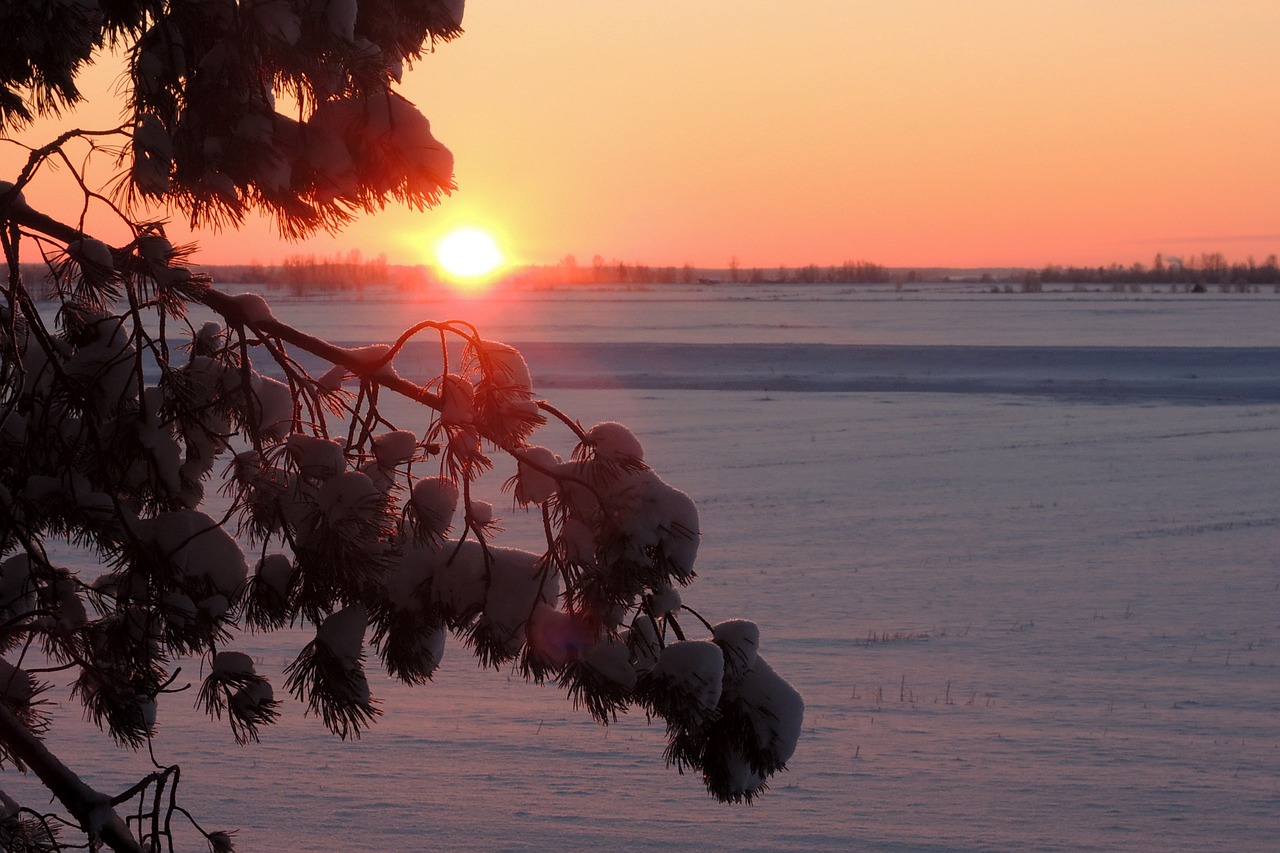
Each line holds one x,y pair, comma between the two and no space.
1209,269
297,275
569,271
300,274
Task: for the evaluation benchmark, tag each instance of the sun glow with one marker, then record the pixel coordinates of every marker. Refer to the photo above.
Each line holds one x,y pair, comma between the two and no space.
468,254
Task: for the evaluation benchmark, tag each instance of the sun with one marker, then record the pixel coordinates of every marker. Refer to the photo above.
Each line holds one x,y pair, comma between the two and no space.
468,253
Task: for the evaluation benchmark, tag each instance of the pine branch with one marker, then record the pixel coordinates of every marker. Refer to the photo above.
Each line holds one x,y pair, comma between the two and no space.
92,809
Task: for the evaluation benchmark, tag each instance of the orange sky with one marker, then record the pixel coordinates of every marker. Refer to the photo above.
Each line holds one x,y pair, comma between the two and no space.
905,132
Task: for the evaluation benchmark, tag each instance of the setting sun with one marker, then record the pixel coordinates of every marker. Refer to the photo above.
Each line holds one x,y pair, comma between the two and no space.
468,253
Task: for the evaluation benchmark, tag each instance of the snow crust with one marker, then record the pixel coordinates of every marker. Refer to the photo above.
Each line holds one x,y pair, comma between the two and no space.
253,307
371,355
776,708
199,551
556,636
91,251
19,200
273,571
740,640
695,670
343,635
535,484
508,366
457,397
332,379
614,442
316,457
341,16
516,586
274,406
17,596
278,19
16,685
348,495
232,663
434,500
394,448
104,361
665,602
651,513
611,659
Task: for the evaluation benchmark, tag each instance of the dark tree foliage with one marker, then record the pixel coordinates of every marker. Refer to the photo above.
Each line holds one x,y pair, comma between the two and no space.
204,76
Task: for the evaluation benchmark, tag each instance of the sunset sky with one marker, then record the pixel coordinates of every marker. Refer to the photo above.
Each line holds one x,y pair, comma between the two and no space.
904,132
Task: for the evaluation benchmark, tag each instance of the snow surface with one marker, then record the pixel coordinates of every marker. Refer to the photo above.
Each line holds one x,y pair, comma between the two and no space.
1019,621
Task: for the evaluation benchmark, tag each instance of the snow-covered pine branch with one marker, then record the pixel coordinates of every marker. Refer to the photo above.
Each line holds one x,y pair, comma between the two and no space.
120,413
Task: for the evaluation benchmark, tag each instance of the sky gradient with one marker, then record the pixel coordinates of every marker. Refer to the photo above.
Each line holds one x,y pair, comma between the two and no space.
903,132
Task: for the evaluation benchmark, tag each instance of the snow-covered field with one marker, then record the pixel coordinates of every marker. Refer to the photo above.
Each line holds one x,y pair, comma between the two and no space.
1020,554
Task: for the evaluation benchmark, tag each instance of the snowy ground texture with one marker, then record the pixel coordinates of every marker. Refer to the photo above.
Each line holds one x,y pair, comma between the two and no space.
1020,554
